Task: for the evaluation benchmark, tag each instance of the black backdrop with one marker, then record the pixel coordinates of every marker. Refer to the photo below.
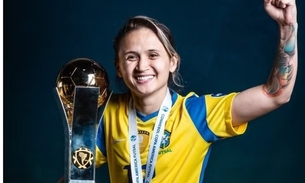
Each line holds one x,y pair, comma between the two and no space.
224,45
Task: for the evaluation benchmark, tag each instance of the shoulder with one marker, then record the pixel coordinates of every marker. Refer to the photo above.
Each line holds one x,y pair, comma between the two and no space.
195,102
190,97
119,97
117,101
218,98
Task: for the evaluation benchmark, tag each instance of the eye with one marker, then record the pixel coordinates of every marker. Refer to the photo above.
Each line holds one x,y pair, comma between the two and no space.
131,57
153,55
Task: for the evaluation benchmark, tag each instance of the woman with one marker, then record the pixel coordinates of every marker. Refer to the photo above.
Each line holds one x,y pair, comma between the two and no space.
153,134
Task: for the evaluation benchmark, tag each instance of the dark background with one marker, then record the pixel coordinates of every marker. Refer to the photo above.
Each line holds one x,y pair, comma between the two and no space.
224,45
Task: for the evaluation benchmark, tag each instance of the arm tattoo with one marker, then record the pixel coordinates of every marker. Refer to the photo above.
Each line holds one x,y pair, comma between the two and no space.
282,70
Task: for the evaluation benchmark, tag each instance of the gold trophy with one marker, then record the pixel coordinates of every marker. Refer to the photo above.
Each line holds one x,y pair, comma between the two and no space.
82,92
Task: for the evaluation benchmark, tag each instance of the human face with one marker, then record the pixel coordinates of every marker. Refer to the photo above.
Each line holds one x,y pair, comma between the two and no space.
143,62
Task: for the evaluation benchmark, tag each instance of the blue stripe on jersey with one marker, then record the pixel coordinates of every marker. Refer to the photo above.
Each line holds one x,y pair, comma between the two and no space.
197,111
100,138
205,163
144,117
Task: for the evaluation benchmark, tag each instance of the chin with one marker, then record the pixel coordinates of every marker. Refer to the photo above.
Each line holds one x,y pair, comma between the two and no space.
143,90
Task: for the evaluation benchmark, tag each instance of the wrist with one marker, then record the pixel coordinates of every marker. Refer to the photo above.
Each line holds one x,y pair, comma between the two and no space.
288,30
285,26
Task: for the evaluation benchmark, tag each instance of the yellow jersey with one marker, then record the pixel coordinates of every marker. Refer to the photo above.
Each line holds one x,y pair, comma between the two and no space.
194,123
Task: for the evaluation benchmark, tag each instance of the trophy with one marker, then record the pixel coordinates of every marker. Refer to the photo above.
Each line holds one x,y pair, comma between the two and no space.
82,92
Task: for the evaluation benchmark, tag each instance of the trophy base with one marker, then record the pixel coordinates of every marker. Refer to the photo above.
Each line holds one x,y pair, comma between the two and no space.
82,181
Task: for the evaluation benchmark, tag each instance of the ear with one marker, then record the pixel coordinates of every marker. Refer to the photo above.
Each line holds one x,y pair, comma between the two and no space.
173,63
118,70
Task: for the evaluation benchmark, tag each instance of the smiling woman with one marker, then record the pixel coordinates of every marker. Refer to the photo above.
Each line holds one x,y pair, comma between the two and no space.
151,133
160,41
146,60
145,65
224,46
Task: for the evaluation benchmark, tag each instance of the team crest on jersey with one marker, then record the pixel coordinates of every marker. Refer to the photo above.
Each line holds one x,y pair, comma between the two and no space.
143,140
165,139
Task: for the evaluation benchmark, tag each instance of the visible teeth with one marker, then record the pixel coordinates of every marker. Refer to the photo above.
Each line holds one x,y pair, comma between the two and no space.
143,78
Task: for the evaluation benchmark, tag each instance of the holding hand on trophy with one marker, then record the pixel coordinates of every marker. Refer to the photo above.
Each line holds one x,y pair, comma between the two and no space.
151,133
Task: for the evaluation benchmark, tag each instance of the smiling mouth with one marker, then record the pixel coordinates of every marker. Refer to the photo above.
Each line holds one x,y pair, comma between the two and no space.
144,78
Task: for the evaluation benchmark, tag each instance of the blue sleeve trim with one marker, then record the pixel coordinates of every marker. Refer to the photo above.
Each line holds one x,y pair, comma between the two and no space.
100,138
197,110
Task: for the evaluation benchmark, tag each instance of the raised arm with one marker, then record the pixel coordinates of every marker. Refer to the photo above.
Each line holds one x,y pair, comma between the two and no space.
259,100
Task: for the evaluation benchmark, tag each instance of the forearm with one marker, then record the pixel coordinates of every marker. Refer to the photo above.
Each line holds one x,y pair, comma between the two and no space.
282,78
255,102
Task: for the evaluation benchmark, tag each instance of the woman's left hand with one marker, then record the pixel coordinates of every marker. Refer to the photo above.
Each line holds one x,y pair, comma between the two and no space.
282,11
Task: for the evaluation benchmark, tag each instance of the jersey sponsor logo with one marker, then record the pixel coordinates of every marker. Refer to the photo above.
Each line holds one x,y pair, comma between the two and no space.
143,140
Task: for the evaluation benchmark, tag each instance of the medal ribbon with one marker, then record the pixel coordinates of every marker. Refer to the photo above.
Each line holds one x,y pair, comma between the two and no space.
135,160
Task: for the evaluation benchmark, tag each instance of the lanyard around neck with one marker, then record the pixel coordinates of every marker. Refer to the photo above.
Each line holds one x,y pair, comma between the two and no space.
135,160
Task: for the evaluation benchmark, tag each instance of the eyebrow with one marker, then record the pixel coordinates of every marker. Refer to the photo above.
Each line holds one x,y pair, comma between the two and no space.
127,52
151,50
135,52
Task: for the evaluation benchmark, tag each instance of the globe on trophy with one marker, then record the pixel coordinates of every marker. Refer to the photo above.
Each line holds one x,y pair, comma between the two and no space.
82,92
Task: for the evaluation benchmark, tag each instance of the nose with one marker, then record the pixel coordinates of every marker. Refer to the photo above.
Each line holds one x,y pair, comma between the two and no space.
143,64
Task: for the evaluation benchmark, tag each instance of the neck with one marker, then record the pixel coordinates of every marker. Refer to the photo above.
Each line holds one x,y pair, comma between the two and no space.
149,103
